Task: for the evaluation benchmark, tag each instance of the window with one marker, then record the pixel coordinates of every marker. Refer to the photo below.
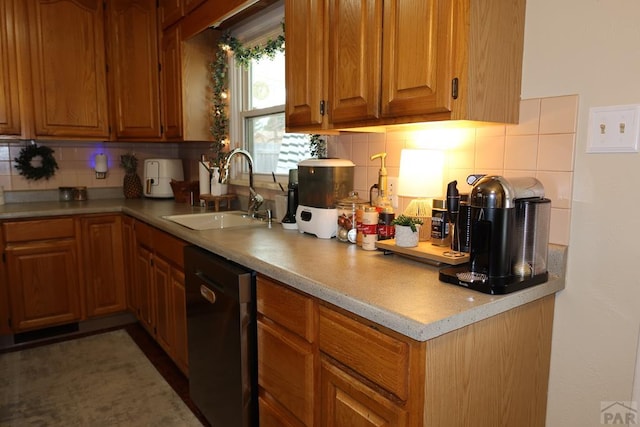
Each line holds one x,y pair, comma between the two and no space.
257,107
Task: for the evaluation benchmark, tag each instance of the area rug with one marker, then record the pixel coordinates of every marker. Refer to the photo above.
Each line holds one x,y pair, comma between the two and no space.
99,380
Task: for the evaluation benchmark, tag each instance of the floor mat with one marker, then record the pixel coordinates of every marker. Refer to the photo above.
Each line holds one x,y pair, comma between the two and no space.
99,380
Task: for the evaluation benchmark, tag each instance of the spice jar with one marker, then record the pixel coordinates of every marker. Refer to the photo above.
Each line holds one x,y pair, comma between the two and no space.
347,208
369,228
66,194
79,193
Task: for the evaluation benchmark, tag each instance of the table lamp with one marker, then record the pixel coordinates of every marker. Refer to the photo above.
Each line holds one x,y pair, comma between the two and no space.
421,178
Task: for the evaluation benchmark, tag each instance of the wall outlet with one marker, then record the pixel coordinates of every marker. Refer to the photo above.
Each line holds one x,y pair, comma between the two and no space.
392,189
614,129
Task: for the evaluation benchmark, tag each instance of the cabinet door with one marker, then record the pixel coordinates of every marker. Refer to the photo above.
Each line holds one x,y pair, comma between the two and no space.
169,11
355,44
171,315
68,68
179,309
9,100
304,67
5,315
103,264
162,291
43,283
171,76
133,68
286,370
417,58
189,5
129,252
345,401
143,289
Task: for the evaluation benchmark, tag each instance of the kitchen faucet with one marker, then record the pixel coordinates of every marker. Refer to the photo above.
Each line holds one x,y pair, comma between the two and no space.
255,199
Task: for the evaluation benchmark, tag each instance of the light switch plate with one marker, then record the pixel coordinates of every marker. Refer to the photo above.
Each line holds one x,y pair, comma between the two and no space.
614,129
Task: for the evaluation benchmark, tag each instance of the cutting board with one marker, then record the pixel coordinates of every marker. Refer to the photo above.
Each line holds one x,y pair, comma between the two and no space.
424,252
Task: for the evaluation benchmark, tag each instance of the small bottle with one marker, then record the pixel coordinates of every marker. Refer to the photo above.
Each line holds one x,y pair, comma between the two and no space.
440,224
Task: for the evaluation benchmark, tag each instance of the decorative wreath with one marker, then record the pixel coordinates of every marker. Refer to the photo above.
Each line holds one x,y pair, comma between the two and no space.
36,162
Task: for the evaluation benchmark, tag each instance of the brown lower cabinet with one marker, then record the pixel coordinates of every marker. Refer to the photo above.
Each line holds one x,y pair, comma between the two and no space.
319,365
42,272
63,269
158,290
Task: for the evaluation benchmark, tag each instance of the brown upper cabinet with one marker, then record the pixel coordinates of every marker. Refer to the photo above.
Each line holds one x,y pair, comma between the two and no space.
68,69
9,95
435,60
79,69
134,69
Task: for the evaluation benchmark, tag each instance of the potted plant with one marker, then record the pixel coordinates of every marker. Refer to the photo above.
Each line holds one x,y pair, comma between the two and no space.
407,230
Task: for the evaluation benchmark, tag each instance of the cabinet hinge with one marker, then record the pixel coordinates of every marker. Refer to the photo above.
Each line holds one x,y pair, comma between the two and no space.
322,106
161,129
454,88
159,67
4,257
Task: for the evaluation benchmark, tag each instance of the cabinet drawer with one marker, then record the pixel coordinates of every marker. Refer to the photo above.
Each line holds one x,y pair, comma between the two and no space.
286,307
169,247
40,229
371,353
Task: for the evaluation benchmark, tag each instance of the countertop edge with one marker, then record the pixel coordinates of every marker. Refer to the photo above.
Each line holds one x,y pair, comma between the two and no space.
395,321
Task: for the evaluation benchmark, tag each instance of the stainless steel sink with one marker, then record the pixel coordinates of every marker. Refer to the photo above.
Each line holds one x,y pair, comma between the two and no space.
215,220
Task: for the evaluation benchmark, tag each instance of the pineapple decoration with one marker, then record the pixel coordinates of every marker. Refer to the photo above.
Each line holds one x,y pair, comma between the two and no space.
132,186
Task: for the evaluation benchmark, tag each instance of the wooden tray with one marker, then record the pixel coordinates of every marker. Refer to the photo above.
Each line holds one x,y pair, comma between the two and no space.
424,252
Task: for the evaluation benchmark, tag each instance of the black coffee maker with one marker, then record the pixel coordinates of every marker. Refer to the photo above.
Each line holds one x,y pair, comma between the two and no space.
508,231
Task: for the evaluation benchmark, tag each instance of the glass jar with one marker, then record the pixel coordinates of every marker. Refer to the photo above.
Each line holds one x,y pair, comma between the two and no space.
66,194
347,207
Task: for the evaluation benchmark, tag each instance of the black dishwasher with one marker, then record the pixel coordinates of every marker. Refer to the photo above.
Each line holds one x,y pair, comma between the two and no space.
221,330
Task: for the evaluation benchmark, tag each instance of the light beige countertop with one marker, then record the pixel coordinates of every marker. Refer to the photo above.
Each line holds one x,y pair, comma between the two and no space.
398,293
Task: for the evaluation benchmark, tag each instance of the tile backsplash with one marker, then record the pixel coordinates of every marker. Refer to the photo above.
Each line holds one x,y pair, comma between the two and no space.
541,145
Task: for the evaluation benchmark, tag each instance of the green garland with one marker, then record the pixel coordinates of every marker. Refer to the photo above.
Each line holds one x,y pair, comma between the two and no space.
45,170
220,84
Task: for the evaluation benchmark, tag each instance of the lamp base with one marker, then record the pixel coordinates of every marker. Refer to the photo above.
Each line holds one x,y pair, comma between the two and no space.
419,208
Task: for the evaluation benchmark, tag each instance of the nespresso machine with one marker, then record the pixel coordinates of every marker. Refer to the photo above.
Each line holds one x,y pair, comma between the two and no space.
508,229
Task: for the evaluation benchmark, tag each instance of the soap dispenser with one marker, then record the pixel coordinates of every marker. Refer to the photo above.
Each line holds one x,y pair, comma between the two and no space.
382,201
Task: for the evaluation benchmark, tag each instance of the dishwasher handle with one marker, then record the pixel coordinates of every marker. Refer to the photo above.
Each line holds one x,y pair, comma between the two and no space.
207,294
207,290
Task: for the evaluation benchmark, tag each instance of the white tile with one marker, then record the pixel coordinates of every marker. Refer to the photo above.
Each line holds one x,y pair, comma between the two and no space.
559,114
556,152
521,152
557,187
489,153
529,120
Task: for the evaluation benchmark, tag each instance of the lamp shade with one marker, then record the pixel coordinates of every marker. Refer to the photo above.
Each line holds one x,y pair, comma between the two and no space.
420,173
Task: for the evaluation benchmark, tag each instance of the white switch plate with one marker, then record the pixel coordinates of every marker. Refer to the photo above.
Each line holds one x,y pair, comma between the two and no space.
392,189
614,129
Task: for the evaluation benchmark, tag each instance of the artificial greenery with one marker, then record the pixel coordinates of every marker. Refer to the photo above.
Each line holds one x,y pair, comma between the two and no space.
318,146
407,221
220,83
36,162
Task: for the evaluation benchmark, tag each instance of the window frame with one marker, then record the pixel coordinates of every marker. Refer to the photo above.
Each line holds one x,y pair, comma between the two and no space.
255,31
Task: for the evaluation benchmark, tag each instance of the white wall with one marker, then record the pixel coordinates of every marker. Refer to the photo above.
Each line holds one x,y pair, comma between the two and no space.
592,48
